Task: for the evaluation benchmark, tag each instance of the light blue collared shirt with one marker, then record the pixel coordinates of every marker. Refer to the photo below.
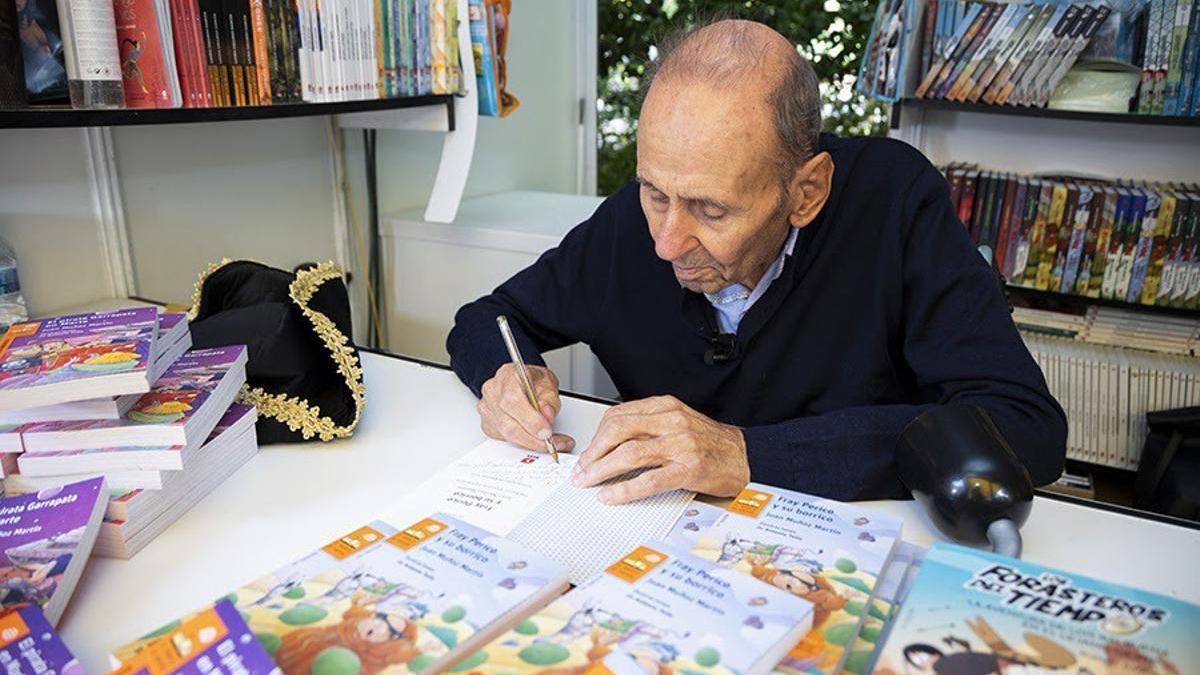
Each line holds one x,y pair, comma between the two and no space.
732,302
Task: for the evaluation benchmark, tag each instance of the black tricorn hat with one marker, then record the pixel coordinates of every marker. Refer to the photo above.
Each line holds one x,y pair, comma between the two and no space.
303,372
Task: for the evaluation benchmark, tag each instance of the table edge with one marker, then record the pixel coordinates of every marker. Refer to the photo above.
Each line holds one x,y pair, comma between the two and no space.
1070,499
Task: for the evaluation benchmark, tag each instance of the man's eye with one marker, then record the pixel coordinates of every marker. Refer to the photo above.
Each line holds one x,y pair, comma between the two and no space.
712,212
658,197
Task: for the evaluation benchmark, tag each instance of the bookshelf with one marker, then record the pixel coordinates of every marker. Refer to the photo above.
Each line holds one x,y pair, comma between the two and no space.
1068,302
1039,141
1043,113
59,116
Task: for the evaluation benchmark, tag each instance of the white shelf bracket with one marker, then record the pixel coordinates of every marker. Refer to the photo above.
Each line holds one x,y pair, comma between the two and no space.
109,212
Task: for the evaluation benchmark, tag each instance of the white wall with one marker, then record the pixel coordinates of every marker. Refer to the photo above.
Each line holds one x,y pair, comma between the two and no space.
46,214
263,190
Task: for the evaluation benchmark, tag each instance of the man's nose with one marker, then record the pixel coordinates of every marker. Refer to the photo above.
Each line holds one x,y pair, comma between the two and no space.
675,235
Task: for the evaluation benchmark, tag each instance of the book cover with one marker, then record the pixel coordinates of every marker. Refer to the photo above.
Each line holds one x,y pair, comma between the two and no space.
1158,248
1108,220
1049,249
144,75
656,609
1081,217
826,552
28,644
12,66
1087,257
77,356
161,417
1065,229
1028,219
215,641
1145,242
973,611
421,598
1133,234
42,52
45,540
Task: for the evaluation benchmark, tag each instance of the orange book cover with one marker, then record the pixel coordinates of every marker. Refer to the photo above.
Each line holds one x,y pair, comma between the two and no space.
261,59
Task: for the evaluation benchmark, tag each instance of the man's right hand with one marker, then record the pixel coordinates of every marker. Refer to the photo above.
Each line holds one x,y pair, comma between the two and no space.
505,413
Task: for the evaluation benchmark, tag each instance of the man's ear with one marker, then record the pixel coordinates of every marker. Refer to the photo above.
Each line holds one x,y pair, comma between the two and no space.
810,187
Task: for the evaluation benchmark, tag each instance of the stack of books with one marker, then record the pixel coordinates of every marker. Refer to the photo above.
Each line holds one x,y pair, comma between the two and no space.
1132,242
119,395
1115,328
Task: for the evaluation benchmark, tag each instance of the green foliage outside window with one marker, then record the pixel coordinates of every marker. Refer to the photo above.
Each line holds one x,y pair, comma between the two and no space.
830,33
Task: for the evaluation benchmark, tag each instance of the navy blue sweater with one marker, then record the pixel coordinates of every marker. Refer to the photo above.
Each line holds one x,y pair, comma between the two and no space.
884,310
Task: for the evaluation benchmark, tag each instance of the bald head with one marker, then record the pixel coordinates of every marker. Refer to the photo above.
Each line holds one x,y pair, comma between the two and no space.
747,60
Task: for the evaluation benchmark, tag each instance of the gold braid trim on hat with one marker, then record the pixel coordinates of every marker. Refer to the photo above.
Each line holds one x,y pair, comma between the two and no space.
296,413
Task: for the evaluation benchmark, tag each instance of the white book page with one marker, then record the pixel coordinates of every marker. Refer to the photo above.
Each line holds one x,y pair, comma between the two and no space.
526,497
494,487
575,528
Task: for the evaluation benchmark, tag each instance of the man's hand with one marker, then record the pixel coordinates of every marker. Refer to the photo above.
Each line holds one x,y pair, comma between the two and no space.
505,413
689,450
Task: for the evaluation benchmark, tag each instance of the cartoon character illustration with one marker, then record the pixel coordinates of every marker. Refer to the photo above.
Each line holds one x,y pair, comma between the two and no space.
379,639
650,646
1123,658
163,407
129,64
958,657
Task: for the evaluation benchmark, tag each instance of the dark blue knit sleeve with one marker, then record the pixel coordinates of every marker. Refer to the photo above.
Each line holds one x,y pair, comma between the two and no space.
961,347
553,303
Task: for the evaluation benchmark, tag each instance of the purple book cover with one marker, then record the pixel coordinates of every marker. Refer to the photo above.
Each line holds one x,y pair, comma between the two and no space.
28,644
76,346
39,534
168,320
215,641
175,397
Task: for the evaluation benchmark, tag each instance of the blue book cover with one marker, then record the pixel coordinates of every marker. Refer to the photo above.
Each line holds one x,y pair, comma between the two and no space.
978,612
483,46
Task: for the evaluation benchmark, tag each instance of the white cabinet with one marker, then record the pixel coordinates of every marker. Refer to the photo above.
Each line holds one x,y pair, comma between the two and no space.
432,269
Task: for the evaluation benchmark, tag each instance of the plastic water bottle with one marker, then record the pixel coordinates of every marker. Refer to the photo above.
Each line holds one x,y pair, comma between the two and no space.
12,303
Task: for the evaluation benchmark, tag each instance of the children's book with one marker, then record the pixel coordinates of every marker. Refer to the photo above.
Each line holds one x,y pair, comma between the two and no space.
827,552
28,644
215,641
77,357
973,611
656,609
171,340
421,599
522,495
45,540
182,409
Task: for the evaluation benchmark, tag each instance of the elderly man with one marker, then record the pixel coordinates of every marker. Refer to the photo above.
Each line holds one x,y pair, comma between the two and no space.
772,303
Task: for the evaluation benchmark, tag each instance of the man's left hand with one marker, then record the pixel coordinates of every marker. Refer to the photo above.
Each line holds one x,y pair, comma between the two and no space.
684,448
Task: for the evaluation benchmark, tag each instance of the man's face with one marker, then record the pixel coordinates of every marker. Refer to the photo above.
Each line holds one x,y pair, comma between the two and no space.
711,193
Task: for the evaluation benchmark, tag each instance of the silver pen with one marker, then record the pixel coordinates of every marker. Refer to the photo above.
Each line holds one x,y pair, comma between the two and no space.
515,355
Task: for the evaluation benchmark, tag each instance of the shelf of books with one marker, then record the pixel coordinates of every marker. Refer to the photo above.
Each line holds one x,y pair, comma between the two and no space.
61,116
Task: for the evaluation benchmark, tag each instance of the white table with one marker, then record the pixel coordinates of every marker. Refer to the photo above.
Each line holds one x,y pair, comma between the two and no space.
291,499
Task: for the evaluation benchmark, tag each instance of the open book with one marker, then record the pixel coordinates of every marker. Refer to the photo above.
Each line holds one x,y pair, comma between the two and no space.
530,499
